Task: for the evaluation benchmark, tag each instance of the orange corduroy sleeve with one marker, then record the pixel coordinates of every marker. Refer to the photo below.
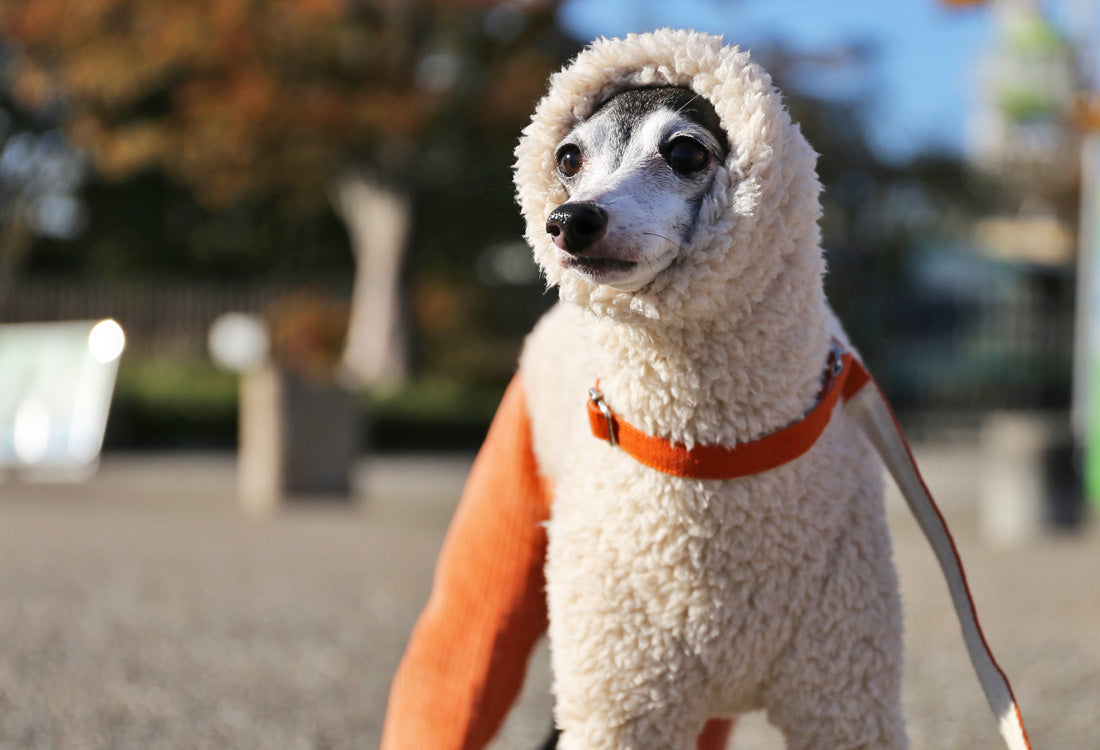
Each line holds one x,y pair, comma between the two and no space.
467,657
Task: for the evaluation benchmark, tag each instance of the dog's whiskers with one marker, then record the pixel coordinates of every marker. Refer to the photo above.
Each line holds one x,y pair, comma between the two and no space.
687,104
669,240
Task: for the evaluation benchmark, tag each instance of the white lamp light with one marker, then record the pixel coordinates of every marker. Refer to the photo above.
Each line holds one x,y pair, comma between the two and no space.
238,341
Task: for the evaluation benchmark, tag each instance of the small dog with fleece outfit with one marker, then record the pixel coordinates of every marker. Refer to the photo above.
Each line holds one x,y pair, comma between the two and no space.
683,483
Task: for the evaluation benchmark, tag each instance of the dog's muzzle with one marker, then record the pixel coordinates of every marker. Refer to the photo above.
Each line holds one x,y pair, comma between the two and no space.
576,227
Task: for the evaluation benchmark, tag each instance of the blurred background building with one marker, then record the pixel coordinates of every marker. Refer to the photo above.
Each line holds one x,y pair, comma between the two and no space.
341,168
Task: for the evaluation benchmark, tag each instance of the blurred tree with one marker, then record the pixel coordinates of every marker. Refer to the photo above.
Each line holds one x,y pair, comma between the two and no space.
364,104
39,174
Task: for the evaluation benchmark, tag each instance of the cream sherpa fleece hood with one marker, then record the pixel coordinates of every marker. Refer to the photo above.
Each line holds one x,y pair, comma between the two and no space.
762,207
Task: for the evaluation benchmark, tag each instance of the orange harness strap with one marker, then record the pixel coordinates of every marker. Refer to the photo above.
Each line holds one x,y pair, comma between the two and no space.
467,656
845,377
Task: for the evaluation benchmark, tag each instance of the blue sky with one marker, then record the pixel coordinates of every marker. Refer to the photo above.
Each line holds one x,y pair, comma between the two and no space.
927,53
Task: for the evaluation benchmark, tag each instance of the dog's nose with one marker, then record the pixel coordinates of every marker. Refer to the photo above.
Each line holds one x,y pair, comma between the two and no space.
575,227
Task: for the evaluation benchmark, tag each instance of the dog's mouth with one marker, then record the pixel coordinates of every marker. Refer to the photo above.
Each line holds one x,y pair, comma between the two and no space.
597,266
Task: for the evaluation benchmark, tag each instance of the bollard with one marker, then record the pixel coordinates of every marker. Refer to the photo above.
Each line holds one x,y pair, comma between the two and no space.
1014,489
298,440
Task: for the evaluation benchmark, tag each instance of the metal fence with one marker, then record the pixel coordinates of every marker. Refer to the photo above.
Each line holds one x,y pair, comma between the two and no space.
954,356
161,316
957,353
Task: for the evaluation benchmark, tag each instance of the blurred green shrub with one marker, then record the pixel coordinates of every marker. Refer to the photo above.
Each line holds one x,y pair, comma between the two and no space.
164,403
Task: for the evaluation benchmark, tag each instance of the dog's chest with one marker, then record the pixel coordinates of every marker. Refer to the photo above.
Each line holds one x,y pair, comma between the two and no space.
679,569
681,548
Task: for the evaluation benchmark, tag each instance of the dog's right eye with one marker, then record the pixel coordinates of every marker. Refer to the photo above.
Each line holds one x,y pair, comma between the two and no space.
569,160
686,155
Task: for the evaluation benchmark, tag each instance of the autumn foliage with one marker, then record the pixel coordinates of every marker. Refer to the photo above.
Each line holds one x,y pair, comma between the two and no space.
239,97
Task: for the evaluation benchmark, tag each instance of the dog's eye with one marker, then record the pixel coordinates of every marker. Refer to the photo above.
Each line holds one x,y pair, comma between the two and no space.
569,160
686,155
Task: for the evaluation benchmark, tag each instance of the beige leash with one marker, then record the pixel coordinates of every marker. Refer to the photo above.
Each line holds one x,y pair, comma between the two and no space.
875,417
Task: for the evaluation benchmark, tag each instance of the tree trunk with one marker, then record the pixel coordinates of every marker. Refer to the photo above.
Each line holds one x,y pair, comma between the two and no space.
15,246
377,218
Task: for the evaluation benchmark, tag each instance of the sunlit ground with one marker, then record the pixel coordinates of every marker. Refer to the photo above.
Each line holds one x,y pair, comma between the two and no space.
143,611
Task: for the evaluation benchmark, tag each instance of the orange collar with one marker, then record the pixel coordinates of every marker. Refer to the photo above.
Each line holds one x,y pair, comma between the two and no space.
844,377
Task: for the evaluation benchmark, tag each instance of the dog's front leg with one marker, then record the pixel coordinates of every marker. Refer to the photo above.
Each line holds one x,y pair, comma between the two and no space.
646,735
838,684
715,735
625,678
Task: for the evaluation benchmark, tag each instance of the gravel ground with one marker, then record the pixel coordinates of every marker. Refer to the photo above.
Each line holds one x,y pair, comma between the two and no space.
142,610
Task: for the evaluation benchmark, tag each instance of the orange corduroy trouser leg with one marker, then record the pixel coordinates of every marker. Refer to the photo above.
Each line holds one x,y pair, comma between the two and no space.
467,657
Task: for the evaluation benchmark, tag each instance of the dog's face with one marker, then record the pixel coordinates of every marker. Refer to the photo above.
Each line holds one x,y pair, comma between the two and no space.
636,172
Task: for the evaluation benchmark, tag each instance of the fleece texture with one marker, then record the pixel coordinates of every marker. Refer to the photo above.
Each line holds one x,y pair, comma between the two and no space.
672,601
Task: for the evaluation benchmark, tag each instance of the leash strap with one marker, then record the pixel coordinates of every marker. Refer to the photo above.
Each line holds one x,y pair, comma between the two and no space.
873,414
845,378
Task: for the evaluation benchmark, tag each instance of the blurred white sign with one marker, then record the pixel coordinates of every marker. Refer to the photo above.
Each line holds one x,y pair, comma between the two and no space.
56,382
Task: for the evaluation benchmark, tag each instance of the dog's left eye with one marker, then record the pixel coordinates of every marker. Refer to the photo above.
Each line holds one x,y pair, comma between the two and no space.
686,155
569,160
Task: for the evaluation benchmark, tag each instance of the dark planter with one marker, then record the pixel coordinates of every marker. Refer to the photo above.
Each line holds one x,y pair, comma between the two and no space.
298,439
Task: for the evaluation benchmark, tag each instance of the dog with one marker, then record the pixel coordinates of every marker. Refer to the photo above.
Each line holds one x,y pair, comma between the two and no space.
674,205
651,599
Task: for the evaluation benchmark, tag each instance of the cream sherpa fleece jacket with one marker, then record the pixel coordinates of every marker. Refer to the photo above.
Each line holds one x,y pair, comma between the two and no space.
673,600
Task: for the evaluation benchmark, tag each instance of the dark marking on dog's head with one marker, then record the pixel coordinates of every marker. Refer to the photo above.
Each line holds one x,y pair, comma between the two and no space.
629,105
